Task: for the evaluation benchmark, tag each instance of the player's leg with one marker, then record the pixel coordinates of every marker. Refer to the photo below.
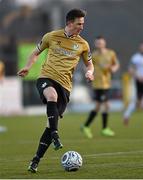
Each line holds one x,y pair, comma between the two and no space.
139,94
105,115
129,110
106,131
135,101
85,127
46,138
44,143
92,114
52,113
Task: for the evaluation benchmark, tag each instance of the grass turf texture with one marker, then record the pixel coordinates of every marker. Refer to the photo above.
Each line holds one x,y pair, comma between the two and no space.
103,157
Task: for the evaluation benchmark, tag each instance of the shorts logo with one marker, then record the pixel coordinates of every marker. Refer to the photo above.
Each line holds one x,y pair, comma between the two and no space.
49,117
44,85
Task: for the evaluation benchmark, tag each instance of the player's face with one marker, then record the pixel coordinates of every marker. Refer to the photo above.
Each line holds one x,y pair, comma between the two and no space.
100,43
76,26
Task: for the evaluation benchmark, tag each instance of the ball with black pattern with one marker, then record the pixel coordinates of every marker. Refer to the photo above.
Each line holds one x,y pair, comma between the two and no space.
71,161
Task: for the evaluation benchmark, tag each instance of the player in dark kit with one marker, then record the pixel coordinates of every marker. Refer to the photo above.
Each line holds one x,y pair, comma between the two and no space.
65,47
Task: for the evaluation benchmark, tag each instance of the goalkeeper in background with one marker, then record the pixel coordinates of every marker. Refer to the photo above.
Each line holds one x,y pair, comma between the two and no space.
105,63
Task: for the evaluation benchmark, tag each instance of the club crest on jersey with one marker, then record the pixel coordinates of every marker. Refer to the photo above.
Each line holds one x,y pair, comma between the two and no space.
59,43
75,46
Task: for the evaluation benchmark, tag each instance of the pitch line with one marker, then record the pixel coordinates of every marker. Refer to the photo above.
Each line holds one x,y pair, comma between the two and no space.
107,154
113,153
84,156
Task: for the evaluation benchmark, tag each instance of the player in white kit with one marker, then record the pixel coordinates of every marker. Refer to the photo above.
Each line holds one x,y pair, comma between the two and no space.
136,71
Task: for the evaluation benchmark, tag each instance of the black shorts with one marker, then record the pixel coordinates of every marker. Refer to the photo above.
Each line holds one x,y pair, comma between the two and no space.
139,86
63,94
101,95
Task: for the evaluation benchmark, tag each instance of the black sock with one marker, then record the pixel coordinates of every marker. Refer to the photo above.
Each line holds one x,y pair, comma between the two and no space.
44,143
104,120
52,113
90,118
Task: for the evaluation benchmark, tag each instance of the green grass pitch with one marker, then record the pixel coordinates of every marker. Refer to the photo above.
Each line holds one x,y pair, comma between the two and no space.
115,157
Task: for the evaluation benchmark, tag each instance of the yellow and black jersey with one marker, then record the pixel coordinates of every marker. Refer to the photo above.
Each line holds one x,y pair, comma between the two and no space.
102,62
63,55
2,67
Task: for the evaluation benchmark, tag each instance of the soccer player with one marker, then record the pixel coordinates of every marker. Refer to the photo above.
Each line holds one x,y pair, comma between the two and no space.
2,73
2,69
65,47
105,63
136,71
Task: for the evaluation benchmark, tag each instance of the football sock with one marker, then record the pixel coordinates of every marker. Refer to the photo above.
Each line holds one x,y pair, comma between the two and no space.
52,113
130,109
90,118
44,143
104,120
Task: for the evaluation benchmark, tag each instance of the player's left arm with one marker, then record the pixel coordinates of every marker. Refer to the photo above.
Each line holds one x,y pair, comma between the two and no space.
89,71
87,58
115,64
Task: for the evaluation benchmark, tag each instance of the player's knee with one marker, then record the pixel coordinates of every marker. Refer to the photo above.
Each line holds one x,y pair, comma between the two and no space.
106,106
50,94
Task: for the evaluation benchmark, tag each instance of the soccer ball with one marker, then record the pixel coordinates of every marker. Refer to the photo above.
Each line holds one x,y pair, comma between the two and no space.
71,161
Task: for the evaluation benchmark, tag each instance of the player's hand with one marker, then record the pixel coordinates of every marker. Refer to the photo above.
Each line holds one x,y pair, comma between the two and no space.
113,69
89,76
23,72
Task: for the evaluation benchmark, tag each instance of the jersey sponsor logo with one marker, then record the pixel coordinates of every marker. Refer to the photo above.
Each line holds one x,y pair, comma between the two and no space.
65,52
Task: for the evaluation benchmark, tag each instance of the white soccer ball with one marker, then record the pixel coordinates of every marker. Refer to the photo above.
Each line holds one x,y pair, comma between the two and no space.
71,161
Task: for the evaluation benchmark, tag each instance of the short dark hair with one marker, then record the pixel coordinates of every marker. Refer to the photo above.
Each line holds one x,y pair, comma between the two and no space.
75,13
99,37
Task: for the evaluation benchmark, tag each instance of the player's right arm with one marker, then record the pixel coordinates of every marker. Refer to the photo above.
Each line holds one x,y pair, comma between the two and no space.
34,55
31,60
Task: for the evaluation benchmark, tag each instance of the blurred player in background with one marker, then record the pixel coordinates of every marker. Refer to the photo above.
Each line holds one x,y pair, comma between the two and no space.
105,63
136,71
2,70
2,73
65,47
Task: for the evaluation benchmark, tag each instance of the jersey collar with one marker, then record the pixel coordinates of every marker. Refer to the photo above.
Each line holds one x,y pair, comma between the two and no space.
68,35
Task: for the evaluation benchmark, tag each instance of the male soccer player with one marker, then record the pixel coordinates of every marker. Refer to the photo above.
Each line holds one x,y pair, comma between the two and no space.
105,63
65,47
2,74
136,71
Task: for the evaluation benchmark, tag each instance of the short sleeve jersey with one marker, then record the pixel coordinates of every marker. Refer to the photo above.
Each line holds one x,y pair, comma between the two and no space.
102,78
137,62
63,55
